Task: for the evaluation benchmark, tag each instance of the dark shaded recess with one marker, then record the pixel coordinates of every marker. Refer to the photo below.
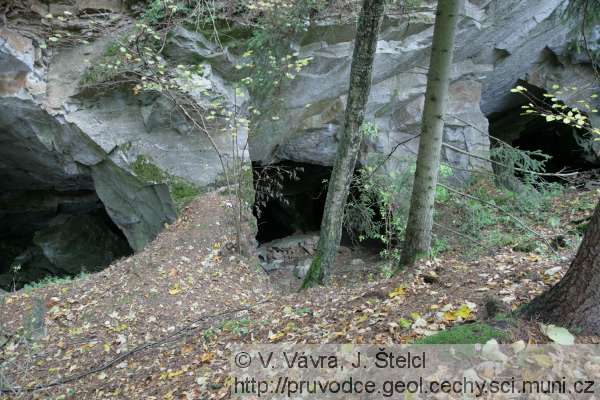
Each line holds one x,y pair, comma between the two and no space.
52,233
299,208
301,205
570,149
563,143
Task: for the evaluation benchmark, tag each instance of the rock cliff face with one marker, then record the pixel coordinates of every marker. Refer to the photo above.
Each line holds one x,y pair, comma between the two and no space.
74,148
57,183
499,44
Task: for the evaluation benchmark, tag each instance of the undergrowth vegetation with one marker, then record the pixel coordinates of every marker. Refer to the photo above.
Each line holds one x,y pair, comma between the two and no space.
515,207
478,332
53,280
182,191
501,209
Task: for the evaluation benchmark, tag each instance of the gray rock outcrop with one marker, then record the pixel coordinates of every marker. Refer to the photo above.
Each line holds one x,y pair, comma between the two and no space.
74,146
499,44
50,168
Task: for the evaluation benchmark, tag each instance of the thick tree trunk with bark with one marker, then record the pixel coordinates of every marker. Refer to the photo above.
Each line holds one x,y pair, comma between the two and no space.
574,302
420,219
365,46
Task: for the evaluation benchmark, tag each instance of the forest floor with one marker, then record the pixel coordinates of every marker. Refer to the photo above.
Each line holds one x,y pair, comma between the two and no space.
160,324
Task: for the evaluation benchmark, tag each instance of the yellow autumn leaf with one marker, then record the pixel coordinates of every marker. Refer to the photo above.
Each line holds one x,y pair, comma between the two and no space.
229,381
176,289
290,327
171,374
464,311
449,316
121,327
400,291
76,331
362,318
207,357
187,349
276,336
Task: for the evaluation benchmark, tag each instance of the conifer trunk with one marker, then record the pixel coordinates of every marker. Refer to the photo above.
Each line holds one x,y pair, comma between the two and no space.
365,46
420,220
574,302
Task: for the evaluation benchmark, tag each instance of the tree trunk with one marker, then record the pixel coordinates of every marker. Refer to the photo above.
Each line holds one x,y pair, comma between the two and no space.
365,46
420,218
574,302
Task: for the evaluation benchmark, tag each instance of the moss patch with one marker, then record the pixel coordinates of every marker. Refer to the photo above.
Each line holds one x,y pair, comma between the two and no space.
182,191
464,334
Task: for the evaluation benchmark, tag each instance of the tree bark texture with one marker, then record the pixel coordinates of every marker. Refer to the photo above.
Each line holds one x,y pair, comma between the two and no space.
574,302
365,46
420,220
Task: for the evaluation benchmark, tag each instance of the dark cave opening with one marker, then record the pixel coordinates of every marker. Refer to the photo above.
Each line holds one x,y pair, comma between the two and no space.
564,144
570,149
290,198
50,234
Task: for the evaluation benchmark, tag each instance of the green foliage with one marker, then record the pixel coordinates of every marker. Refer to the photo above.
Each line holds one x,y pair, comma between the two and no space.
369,130
513,162
531,204
439,246
553,110
182,191
302,311
209,335
314,276
52,280
378,206
237,327
441,193
269,58
108,67
157,11
478,332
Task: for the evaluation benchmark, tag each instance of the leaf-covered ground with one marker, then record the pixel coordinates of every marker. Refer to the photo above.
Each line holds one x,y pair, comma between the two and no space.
159,324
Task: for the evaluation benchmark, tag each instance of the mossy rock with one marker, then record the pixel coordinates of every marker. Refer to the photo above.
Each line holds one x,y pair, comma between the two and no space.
182,191
465,334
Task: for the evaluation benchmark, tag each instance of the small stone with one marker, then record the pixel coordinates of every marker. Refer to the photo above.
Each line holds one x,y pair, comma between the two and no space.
552,271
271,266
301,269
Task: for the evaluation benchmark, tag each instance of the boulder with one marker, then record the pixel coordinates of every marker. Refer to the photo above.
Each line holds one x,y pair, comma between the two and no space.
49,166
301,269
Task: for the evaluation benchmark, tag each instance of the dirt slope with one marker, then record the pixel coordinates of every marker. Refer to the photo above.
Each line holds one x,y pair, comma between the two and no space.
158,325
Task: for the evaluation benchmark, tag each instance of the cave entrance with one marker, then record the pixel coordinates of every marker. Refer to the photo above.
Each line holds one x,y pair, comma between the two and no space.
570,149
290,198
48,233
290,201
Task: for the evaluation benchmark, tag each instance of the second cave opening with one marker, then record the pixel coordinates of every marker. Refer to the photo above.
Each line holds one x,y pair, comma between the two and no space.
290,198
569,149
